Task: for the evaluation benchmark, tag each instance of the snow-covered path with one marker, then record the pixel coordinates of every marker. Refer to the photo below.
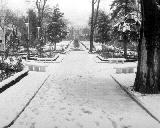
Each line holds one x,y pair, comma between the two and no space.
81,94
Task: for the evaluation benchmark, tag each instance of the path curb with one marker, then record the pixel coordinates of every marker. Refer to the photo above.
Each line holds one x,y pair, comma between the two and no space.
134,97
101,59
84,45
26,105
12,80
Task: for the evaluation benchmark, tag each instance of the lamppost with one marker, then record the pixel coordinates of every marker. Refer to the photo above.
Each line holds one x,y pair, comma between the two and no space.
38,28
27,26
29,3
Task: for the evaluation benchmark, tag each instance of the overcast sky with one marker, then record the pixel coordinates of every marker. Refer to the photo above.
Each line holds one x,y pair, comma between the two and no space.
76,11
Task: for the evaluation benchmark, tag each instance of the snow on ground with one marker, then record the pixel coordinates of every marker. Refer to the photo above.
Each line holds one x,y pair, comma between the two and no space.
62,45
86,43
71,47
150,101
12,78
81,94
14,99
96,45
59,46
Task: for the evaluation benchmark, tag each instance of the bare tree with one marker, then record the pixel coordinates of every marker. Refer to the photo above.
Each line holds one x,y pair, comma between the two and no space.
93,22
40,4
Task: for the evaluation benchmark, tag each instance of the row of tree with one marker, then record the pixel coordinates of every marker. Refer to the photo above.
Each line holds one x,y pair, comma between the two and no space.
146,31
122,25
47,25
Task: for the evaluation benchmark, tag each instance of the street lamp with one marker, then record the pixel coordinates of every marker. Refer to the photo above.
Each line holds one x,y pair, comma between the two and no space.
27,26
38,28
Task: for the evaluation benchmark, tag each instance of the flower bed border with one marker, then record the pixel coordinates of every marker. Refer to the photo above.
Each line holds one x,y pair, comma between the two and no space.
46,60
84,45
101,58
5,84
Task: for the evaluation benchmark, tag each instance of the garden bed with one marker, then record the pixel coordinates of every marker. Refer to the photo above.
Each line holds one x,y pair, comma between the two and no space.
105,56
45,60
12,80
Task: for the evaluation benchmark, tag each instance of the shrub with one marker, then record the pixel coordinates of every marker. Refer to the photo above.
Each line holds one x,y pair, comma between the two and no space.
76,43
12,64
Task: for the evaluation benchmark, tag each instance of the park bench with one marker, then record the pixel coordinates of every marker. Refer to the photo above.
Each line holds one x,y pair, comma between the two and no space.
116,60
36,67
129,69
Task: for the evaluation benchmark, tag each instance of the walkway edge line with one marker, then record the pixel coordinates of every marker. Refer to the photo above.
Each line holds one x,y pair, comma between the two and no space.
18,115
132,96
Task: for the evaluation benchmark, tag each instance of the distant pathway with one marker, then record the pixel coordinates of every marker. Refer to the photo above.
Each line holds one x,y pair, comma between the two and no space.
81,94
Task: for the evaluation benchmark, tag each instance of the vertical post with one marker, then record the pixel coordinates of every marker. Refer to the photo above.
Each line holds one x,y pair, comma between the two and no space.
38,28
92,28
27,26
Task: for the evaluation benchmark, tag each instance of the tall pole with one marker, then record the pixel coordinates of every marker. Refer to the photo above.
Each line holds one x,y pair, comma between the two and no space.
29,2
92,28
38,28
27,26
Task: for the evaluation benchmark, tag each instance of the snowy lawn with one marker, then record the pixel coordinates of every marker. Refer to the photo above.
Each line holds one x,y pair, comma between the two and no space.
16,98
62,45
150,101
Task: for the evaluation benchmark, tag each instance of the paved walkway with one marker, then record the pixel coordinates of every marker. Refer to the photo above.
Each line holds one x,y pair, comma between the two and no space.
81,94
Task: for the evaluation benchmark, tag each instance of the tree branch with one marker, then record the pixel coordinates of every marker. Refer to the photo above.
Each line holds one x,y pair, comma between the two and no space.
40,9
95,1
95,22
158,6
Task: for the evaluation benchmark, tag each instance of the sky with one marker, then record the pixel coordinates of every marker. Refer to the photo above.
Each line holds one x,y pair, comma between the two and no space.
76,11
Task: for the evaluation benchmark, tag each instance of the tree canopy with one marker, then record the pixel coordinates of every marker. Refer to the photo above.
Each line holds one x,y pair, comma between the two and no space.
57,29
121,8
103,28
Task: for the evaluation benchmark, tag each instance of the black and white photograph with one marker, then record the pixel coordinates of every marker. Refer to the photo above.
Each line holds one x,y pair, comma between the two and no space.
79,63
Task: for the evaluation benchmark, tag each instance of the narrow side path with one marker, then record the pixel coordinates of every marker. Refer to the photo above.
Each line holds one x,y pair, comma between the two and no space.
15,99
81,94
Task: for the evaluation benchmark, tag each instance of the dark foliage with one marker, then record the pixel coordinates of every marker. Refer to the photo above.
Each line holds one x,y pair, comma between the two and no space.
9,68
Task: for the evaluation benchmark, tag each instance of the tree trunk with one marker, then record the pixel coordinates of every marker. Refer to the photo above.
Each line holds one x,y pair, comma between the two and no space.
95,22
55,46
28,53
140,81
148,70
92,28
125,48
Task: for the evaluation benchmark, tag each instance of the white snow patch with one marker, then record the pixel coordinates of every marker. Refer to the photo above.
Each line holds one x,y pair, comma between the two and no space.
14,99
150,101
